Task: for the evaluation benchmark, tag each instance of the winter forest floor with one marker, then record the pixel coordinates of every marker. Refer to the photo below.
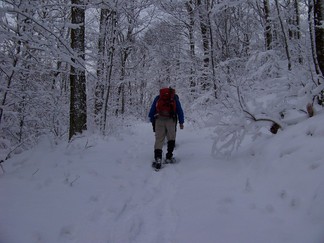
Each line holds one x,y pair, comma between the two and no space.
103,190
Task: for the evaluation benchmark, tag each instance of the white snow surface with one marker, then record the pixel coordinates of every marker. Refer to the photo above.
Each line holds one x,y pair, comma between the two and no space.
104,190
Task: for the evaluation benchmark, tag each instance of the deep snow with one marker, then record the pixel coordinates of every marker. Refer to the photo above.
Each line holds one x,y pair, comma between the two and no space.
100,190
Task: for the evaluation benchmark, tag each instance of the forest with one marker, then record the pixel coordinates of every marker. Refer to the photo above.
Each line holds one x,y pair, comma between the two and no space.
87,66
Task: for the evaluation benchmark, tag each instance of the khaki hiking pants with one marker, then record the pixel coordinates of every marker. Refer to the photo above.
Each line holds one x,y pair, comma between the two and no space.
164,127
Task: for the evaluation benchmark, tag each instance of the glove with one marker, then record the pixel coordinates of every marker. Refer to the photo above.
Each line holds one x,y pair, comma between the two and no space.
181,126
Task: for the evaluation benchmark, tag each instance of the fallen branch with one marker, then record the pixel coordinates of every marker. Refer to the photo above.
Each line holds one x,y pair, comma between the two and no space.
275,125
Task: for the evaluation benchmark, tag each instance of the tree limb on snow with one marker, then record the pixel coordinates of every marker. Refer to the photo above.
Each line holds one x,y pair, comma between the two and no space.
275,124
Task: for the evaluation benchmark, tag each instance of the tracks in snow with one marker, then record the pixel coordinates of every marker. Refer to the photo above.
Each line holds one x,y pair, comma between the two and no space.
147,214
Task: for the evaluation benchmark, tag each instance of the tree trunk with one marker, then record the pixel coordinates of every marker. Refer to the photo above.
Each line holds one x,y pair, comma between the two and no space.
101,65
297,33
319,32
297,20
284,36
213,65
312,35
9,80
111,55
268,29
190,26
125,52
78,97
203,12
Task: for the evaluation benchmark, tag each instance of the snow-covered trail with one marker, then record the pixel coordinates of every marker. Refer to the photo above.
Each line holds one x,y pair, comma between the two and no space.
152,213
105,191
94,190
147,215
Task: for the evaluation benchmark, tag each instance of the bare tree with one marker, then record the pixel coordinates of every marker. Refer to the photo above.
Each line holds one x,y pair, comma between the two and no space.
33,72
268,28
284,34
78,97
319,32
294,20
110,61
311,27
203,9
102,64
190,26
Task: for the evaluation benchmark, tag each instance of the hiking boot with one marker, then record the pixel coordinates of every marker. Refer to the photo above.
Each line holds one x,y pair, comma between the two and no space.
169,156
158,154
157,164
171,160
158,159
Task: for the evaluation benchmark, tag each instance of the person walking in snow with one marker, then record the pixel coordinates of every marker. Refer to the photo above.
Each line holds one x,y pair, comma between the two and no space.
164,114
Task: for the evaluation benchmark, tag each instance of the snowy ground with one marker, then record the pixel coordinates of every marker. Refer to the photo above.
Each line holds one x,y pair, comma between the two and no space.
98,190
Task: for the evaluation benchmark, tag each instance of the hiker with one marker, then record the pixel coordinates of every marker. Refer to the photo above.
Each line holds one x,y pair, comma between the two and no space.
164,114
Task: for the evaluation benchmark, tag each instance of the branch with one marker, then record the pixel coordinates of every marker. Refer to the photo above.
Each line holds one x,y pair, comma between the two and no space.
275,125
68,48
